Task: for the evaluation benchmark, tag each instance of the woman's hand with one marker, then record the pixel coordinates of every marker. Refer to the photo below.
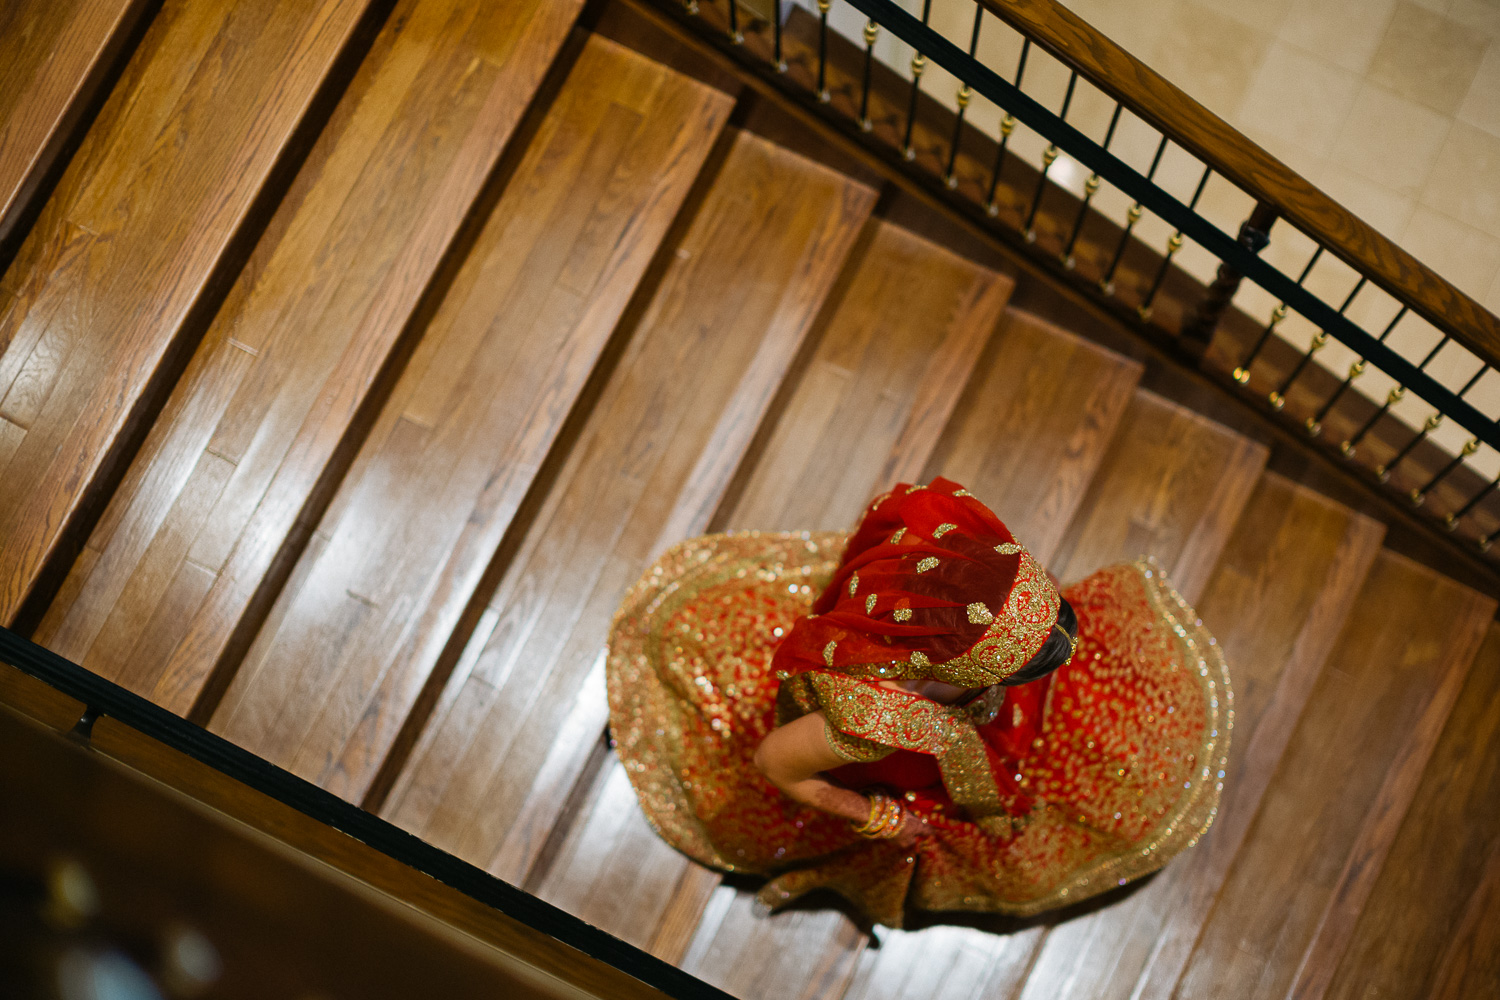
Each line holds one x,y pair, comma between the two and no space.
913,828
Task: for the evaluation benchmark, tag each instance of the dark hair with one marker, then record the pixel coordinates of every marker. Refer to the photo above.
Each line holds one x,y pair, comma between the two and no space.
1054,652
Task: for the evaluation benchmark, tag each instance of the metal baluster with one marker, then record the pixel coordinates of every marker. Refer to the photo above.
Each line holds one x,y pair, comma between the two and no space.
1242,373
1174,244
1132,216
823,95
1049,156
1451,521
1419,496
1391,399
1431,424
872,31
735,34
918,64
691,6
1277,398
1007,126
1090,187
1314,423
776,34
965,94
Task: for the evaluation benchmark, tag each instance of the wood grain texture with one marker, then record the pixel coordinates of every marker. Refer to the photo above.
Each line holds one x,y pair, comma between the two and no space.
270,394
1157,101
883,376
106,279
655,454
1171,486
870,405
329,681
1470,966
1410,634
53,56
1282,591
1437,866
1034,426
946,963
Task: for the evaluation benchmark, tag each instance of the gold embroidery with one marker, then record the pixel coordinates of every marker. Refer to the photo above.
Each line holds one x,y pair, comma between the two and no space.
912,489
919,659
870,604
1018,631
943,529
896,538
902,614
979,614
828,652
1007,548
852,748
853,584
929,562
962,493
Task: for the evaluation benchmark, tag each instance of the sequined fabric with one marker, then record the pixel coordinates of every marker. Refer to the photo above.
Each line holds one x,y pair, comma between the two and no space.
1077,783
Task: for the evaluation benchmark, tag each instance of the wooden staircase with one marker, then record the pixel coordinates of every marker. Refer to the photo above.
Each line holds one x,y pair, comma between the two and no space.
362,354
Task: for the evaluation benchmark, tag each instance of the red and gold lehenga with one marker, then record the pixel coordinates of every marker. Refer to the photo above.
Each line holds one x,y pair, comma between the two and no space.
1039,795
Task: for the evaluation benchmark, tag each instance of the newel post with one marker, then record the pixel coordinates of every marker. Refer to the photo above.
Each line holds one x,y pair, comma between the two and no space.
1198,329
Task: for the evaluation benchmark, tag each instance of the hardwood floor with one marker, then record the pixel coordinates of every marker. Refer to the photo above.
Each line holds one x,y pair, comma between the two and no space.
54,55
489,776
105,283
1435,873
1029,434
243,447
370,609
1172,486
1355,745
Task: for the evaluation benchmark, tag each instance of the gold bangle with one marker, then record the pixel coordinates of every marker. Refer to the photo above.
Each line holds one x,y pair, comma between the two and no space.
887,817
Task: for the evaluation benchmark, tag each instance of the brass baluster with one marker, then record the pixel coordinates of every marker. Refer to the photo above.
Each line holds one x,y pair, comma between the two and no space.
1090,188
1049,156
872,31
735,34
1418,496
1451,521
1132,216
1350,446
776,35
1242,370
1007,126
823,95
1432,423
965,94
1174,244
1277,398
1314,423
918,64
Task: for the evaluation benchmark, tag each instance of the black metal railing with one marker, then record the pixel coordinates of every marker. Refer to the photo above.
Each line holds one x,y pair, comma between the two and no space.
103,698
888,105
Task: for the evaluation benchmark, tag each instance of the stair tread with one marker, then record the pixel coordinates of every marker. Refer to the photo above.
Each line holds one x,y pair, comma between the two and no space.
1359,746
53,54
246,436
867,409
406,540
1030,434
738,297
106,280
1283,588
1171,485
1435,871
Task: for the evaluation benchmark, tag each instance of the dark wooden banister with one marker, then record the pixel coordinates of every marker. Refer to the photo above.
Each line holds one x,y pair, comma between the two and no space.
1154,99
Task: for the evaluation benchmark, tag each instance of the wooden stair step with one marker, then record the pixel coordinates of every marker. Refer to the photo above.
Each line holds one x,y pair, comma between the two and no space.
243,446
525,708
865,412
105,283
1327,821
1410,937
1172,485
400,553
54,55
1281,592
1031,431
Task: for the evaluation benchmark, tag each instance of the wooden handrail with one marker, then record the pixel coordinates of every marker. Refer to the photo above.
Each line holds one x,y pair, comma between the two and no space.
1160,103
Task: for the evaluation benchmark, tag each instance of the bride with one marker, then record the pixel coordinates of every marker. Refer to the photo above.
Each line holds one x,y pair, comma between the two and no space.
913,715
